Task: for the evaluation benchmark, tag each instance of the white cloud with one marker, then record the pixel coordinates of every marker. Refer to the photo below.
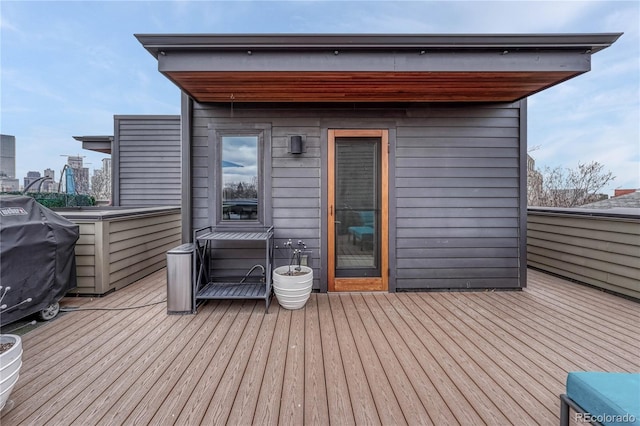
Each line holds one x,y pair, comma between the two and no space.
29,83
5,25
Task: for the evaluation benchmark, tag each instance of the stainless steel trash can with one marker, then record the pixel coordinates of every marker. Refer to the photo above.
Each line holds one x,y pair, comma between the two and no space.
179,280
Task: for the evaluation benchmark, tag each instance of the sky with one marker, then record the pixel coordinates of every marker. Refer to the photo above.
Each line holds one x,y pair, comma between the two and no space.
67,67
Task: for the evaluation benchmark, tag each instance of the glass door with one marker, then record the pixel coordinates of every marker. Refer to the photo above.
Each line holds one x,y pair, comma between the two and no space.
357,216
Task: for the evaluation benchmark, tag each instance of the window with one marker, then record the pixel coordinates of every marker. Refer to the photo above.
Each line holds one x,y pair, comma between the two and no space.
240,178
238,187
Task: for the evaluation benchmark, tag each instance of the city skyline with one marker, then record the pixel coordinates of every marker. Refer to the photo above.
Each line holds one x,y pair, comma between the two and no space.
33,180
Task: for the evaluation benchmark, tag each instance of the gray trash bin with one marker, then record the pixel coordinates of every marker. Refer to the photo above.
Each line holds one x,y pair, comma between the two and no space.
179,280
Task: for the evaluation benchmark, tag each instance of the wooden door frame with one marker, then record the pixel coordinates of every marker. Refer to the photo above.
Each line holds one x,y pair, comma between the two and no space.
366,283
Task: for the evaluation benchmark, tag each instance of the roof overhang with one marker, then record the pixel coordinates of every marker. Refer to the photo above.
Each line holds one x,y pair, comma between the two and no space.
101,144
371,68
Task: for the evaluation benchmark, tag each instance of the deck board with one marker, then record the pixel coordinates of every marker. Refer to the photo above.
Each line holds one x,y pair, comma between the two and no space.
578,331
292,399
471,379
121,393
202,396
385,399
444,403
500,364
371,358
316,409
222,400
268,406
180,393
394,364
246,396
360,395
337,391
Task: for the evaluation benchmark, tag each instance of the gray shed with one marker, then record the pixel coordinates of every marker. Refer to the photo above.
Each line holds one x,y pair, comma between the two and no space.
399,159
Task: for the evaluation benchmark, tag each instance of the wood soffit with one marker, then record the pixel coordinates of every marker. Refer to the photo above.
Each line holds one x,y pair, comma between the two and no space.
292,68
212,86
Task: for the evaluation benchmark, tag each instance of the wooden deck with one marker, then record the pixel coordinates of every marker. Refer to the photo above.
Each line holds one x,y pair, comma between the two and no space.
492,358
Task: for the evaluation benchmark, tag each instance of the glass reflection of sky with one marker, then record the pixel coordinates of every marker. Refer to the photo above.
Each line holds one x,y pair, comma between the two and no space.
241,155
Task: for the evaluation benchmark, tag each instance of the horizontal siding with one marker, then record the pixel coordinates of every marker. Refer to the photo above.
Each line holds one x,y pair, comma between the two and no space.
444,243
600,251
138,246
114,253
149,159
457,200
85,252
458,173
295,190
456,185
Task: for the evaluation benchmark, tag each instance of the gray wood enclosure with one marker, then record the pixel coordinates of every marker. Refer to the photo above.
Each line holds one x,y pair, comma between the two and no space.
456,193
449,112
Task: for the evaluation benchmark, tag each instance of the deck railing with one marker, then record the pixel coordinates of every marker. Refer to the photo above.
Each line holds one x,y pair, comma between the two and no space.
596,247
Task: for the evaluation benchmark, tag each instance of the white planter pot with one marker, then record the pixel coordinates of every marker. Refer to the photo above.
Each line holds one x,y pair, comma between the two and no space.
10,363
292,291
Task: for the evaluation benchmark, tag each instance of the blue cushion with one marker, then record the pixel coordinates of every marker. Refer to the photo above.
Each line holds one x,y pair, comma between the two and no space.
367,218
611,398
359,231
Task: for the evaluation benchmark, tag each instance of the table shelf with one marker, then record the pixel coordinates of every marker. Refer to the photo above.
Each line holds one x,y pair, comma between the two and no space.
206,288
232,290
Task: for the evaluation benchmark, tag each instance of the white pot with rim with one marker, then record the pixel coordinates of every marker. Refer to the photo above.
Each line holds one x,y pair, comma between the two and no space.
292,285
10,363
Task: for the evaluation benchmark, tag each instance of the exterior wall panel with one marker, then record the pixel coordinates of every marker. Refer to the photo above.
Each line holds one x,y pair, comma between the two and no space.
146,161
455,187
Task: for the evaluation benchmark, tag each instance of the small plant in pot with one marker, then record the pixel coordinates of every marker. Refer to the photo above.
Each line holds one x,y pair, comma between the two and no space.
292,283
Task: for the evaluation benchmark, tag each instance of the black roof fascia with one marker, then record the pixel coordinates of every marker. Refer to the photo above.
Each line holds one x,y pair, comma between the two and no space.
591,43
101,144
93,138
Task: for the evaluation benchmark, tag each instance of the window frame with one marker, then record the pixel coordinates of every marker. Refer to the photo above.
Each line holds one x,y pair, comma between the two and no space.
263,134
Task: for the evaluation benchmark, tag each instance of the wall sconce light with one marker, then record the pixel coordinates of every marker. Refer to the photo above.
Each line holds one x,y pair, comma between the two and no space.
296,145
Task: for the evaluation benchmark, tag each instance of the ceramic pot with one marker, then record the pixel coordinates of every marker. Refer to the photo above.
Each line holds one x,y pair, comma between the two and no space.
292,291
10,363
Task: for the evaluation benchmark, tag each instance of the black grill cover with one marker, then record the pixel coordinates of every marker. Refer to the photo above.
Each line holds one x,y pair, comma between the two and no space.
37,256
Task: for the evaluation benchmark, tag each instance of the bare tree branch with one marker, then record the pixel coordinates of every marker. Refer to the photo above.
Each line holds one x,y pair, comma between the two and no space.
563,187
101,185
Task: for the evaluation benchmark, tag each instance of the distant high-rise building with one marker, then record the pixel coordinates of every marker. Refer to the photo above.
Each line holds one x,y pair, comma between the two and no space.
7,156
49,185
31,178
8,181
80,174
106,166
74,162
